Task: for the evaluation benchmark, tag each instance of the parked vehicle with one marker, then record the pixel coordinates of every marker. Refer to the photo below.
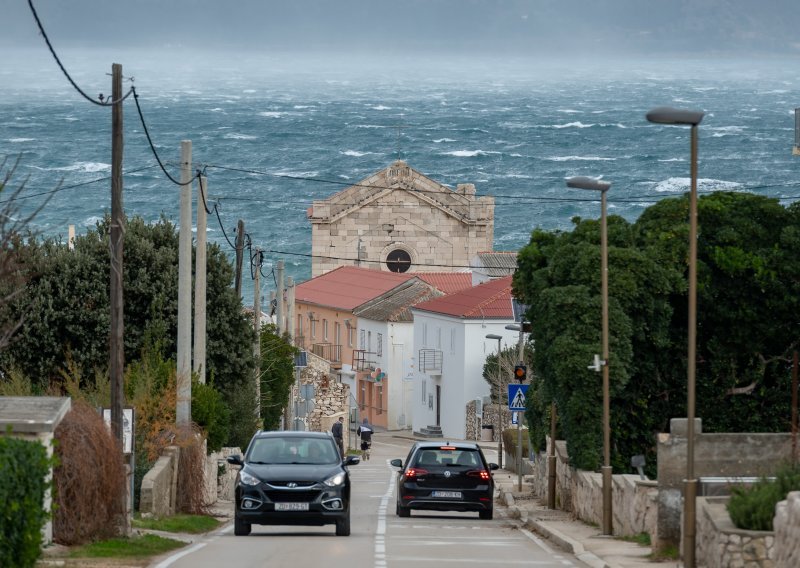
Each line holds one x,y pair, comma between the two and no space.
445,477
292,478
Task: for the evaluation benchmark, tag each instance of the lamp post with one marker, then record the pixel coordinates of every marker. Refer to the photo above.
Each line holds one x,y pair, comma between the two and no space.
499,338
592,184
681,117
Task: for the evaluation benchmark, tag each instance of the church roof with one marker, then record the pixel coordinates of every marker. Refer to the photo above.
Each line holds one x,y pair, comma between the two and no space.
347,287
495,263
490,300
447,282
395,304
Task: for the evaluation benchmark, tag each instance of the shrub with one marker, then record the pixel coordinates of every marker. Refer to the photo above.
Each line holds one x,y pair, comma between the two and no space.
89,479
24,467
211,413
753,508
510,441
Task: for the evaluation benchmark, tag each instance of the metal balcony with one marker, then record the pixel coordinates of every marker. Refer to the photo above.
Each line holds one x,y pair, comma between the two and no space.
430,361
328,351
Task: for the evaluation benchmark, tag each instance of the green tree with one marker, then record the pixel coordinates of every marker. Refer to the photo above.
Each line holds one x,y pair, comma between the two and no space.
277,374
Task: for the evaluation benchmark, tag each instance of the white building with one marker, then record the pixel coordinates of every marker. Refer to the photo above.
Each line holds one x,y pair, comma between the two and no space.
451,348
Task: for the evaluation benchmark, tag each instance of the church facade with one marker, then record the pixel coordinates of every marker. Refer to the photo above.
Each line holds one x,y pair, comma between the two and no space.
400,220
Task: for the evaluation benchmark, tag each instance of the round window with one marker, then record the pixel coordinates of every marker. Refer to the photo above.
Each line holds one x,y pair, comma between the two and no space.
398,261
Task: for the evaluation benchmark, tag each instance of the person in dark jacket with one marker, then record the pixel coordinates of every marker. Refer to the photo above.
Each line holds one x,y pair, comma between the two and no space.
365,432
337,431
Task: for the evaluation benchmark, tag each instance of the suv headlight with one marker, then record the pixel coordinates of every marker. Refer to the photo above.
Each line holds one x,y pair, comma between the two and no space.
248,479
335,481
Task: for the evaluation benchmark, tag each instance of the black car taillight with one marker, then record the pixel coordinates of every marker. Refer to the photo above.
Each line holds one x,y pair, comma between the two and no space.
482,473
413,473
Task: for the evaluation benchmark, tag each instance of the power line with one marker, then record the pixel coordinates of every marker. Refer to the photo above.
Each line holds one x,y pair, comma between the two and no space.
101,102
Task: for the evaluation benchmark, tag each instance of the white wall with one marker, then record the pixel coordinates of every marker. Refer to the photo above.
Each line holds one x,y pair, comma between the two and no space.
462,367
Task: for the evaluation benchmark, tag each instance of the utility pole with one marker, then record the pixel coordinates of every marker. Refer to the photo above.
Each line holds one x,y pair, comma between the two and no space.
281,297
199,350
117,235
794,407
239,257
183,413
290,307
257,327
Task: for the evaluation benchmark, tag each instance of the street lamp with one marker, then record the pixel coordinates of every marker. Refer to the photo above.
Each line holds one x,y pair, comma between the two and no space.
680,117
582,182
520,347
499,338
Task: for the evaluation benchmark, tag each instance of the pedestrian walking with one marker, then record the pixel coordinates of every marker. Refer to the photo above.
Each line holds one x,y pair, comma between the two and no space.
337,431
365,432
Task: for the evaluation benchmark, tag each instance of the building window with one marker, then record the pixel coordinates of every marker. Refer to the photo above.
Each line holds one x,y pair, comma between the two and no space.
350,333
369,341
424,384
424,334
313,329
337,333
438,337
452,340
380,400
398,261
379,349
300,325
324,329
362,340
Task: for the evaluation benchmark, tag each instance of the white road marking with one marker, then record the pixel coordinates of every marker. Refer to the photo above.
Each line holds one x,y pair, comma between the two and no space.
380,531
168,561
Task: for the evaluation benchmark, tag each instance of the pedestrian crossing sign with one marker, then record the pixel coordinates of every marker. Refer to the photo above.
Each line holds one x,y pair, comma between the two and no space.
516,396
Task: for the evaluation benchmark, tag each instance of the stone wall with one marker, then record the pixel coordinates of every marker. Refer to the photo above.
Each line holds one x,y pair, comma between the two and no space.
158,493
715,455
491,415
221,476
787,532
719,544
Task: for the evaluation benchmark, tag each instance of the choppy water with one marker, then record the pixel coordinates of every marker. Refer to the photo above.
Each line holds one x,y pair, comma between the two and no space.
515,130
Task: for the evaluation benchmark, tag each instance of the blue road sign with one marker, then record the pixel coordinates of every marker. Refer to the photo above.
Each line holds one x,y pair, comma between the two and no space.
516,396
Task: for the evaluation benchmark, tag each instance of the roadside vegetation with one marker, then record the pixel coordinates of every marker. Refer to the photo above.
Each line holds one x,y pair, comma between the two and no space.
191,524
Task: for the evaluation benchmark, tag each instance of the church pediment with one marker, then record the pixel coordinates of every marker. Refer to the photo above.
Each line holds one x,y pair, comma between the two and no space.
399,176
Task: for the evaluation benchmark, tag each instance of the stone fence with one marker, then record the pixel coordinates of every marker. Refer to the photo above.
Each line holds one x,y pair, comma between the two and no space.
719,544
787,531
159,485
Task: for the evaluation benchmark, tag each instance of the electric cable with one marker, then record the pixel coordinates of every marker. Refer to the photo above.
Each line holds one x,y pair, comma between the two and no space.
101,102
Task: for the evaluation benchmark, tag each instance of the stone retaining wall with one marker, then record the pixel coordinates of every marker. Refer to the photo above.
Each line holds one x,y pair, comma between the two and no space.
719,544
157,497
787,531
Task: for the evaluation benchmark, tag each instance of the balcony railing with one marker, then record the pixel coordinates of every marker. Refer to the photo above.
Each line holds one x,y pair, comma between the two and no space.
362,360
328,351
430,361
300,341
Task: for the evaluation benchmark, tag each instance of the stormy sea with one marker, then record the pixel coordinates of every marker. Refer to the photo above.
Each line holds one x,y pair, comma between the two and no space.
273,133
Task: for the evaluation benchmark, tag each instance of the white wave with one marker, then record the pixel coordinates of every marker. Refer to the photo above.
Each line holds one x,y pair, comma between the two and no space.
682,101
88,167
468,153
573,125
680,185
300,107
289,173
354,153
673,160
579,158
216,109
18,140
517,176
72,119
440,140
235,136
728,128
370,126
249,91
271,114
380,107
92,221
568,111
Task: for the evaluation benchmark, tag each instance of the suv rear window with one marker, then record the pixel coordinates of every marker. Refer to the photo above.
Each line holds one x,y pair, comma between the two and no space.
447,456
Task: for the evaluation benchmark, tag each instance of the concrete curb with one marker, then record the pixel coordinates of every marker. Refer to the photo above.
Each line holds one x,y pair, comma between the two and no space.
556,537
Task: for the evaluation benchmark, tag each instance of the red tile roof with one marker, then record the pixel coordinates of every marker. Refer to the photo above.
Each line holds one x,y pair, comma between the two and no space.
447,282
347,287
490,300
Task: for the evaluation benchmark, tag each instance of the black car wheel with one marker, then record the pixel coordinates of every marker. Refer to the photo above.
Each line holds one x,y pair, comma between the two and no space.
403,511
240,528
486,515
343,526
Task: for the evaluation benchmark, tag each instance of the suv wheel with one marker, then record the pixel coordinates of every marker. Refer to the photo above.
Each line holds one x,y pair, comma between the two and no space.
486,515
240,528
403,511
343,526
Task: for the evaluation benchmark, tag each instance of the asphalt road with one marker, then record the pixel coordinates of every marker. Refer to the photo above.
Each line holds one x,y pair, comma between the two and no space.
379,538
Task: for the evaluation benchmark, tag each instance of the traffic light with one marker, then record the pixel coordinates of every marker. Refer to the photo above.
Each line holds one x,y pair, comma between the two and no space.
520,373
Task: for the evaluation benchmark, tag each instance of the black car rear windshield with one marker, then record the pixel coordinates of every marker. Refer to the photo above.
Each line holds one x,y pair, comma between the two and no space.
294,449
447,456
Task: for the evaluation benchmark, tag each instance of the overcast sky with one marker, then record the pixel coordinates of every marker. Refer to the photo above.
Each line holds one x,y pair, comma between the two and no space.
466,27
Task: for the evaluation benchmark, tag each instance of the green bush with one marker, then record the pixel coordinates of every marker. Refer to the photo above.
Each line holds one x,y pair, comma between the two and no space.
510,441
753,508
24,467
211,413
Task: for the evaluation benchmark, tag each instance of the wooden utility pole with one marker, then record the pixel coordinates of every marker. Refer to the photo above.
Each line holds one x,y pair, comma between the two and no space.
239,257
117,233
183,411
281,298
257,327
199,350
794,407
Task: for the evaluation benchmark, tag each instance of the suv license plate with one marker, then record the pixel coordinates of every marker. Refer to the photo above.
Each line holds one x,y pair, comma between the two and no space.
447,494
291,506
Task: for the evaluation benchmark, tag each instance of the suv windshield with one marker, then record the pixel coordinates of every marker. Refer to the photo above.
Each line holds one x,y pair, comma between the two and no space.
449,457
292,449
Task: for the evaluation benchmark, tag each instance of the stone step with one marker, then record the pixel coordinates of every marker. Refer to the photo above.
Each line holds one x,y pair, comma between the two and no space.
430,432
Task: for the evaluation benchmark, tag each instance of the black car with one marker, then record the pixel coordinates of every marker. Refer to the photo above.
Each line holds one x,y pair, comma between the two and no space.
445,477
292,478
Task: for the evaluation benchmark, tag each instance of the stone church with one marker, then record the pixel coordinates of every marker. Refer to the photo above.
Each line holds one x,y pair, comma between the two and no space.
400,220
